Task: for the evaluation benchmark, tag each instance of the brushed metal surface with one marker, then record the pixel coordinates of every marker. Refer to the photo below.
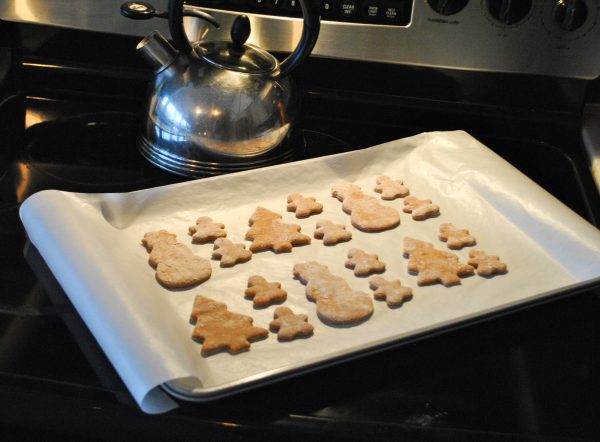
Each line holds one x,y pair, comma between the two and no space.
471,39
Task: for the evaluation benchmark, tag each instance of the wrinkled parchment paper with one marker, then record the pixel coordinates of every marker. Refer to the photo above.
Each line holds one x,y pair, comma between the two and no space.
91,243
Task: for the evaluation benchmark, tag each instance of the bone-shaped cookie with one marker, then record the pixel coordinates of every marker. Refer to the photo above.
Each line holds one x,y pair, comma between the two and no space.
230,253
486,264
392,292
263,292
420,209
364,263
289,325
332,233
454,237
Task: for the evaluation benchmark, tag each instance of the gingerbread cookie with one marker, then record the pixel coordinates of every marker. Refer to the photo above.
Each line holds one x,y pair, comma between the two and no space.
366,213
434,265
219,329
364,263
267,231
289,325
303,206
486,264
391,189
332,233
176,266
456,238
263,292
392,292
336,302
206,230
420,209
229,253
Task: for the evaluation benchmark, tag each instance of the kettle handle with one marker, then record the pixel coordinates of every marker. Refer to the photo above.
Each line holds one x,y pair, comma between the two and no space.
310,33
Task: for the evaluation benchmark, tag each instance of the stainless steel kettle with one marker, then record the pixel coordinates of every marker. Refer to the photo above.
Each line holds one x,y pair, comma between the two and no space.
217,106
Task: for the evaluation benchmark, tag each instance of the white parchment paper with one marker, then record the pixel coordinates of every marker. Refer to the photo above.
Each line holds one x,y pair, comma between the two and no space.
91,243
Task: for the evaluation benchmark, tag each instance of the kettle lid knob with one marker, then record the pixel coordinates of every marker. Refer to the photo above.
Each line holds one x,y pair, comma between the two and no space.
240,31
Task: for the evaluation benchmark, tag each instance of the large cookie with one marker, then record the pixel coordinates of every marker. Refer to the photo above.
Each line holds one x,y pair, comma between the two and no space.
366,212
267,231
219,329
336,302
434,265
176,266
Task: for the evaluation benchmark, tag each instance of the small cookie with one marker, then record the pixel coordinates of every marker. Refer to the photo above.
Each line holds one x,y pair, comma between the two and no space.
263,292
392,292
434,265
390,189
206,230
219,329
486,264
364,263
289,325
268,232
176,266
420,209
366,213
456,238
229,253
336,302
332,233
303,206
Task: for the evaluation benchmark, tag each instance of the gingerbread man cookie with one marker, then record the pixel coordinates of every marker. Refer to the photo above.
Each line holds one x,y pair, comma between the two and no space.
289,325
336,302
364,263
205,230
391,189
332,233
434,265
392,292
176,266
486,264
456,238
219,329
263,292
229,253
267,231
420,209
303,206
366,213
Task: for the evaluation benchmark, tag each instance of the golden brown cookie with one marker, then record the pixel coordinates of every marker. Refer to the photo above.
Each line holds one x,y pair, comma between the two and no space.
420,209
434,265
455,238
303,206
176,266
336,302
392,292
267,231
485,264
229,253
263,292
364,263
289,325
205,230
391,189
332,233
366,212
219,329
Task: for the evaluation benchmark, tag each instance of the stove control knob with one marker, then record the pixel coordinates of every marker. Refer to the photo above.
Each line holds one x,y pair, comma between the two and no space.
508,12
570,14
447,7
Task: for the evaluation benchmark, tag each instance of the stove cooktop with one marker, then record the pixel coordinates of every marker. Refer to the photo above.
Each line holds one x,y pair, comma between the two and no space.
532,373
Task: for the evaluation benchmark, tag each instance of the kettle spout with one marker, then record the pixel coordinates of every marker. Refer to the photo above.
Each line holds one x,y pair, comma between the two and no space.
157,51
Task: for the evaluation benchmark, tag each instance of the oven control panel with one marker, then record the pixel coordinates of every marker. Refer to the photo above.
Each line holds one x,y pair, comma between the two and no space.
546,37
542,37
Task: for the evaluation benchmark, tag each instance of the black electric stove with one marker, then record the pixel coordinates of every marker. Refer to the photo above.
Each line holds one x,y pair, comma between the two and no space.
69,121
